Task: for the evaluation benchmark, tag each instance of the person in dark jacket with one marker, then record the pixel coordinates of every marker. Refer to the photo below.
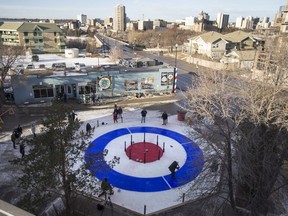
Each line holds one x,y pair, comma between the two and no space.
143,114
88,129
106,186
165,118
13,139
120,111
173,168
22,147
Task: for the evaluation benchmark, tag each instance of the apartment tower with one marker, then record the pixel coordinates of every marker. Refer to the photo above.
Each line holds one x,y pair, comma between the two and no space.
222,20
119,20
284,24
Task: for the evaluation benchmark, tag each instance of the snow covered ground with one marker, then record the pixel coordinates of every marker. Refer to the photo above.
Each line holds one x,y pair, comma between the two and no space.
49,59
133,199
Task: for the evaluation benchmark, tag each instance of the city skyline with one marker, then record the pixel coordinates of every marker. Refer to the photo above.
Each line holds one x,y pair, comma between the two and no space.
137,10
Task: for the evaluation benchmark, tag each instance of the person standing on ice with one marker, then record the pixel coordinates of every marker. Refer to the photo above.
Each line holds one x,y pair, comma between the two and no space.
33,130
120,111
143,114
115,116
165,118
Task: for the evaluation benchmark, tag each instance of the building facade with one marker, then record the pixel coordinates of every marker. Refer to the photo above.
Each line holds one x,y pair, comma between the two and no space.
82,18
222,20
119,20
37,37
284,23
104,83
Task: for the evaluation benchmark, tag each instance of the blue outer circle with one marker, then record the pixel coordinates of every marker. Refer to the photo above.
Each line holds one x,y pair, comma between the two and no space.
189,171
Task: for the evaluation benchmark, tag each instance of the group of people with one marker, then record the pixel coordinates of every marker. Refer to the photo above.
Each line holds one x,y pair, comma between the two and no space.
164,117
17,140
117,114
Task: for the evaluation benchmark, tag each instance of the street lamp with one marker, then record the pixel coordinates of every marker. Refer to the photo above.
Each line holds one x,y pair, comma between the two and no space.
176,46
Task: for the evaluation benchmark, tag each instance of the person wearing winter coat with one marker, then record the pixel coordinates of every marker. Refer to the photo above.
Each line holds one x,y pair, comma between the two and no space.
143,114
165,118
13,139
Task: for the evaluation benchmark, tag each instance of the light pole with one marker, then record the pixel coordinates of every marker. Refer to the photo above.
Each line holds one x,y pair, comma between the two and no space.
176,46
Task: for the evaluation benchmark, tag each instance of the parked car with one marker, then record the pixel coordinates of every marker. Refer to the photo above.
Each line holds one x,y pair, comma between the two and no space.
35,58
42,66
59,66
30,66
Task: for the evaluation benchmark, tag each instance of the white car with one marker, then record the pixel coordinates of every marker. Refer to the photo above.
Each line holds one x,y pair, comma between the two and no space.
30,66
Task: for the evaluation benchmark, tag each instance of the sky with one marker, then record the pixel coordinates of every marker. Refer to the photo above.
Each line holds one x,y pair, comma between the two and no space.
137,9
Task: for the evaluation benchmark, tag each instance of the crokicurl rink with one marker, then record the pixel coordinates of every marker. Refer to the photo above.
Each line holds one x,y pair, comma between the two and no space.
189,170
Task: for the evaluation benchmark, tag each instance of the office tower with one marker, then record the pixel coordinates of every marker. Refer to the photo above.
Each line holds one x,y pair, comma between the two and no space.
222,20
82,19
119,20
239,21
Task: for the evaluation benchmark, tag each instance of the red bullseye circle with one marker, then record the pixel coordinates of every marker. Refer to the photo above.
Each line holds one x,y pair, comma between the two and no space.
144,152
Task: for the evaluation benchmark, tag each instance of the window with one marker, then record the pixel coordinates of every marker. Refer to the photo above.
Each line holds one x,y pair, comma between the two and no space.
55,34
43,91
25,33
55,40
26,41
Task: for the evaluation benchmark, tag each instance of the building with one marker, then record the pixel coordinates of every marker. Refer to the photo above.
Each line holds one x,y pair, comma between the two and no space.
105,82
284,23
37,37
222,20
239,21
82,19
211,44
132,26
144,25
119,20
159,24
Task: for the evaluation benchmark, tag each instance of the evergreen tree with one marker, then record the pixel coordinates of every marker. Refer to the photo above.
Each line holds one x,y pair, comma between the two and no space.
51,167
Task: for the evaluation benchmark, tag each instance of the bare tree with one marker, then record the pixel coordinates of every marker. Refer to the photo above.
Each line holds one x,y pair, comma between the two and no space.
246,131
214,111
116,53
8,57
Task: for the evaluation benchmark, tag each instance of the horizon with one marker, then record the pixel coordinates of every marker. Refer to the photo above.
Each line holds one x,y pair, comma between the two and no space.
138,10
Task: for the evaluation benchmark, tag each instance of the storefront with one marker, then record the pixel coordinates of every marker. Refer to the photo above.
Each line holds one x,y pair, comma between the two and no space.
103,83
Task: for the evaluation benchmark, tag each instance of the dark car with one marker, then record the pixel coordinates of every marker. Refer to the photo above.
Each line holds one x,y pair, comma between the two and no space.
35,58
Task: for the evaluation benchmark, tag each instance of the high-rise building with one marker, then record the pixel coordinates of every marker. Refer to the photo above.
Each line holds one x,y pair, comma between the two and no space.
284,24
239,21
82,19
222,20
119,20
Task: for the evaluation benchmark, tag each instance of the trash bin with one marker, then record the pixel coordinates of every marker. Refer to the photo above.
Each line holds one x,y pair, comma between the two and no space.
181,115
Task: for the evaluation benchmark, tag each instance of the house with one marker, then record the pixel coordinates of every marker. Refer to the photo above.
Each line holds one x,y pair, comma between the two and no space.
244,59
240,40
211,44
37,37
